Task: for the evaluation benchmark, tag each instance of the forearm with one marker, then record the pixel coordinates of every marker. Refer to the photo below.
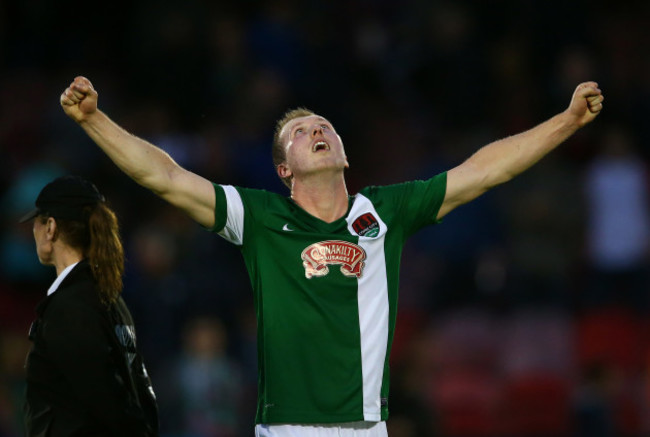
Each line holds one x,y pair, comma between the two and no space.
502,160
145,163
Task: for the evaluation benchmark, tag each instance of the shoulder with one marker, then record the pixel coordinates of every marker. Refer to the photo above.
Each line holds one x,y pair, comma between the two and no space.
237,208
437,182
77,291
230,191
258,194
252,199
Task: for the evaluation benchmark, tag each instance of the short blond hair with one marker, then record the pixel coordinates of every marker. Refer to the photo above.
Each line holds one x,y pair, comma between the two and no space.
278,151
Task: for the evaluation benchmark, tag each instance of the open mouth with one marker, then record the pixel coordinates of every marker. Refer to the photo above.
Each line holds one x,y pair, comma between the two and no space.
320,145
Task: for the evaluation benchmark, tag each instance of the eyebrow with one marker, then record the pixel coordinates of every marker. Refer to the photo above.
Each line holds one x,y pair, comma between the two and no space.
289,130
302,122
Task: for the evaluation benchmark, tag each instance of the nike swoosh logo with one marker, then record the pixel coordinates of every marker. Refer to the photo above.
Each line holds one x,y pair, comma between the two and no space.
286,227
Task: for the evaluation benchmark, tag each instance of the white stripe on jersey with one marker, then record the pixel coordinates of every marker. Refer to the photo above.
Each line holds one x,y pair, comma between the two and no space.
373,310
348,429
234,229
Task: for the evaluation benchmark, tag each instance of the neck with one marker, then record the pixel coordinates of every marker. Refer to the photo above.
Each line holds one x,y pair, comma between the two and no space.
326,199
64,257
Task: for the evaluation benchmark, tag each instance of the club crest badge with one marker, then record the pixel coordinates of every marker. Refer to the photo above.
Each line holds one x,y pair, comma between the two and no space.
366,225
319,256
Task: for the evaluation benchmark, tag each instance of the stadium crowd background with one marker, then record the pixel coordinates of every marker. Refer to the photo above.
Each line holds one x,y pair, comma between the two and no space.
524,314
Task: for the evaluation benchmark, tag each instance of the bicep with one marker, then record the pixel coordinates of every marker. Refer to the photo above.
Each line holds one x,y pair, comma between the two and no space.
193,194
464,183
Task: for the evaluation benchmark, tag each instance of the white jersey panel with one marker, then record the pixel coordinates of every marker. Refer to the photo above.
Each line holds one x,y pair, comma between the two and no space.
373,310
348,429
234,229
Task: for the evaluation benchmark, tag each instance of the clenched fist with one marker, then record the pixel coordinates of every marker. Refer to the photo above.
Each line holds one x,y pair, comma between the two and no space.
586,103
79,100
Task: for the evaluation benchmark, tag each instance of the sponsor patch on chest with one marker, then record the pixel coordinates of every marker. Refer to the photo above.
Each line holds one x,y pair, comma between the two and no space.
318,256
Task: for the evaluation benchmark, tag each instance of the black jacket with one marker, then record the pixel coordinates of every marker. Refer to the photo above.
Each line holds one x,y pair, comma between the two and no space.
84,374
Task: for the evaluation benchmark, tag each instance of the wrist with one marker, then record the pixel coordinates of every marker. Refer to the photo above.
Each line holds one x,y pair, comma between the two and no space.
569,121
90,118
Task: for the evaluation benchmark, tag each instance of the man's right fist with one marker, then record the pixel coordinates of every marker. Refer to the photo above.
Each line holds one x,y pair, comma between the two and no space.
79,100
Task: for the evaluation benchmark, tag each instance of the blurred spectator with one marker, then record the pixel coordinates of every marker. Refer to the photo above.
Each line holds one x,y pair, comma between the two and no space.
156,291
543,225
200,391
617,193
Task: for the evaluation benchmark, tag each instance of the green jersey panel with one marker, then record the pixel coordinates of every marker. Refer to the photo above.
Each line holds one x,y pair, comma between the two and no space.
325,295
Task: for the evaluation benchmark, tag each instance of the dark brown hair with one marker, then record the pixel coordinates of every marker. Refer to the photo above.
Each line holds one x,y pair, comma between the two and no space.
100,243
278,149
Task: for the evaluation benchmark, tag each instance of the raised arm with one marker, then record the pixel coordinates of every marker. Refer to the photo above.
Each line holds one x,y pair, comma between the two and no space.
145,163
502,160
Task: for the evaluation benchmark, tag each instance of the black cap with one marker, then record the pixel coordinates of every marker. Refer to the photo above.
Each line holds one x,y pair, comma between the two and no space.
65,198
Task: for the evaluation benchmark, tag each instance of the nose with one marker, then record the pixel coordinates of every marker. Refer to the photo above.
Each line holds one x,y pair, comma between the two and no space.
317,129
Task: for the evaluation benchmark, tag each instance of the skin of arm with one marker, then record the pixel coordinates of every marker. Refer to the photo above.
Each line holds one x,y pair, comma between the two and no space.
502,160
145,163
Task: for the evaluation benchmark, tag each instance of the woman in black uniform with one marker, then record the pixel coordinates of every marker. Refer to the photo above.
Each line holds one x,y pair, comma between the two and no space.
84,374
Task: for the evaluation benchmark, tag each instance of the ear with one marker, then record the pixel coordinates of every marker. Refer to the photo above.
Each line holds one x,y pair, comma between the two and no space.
50,229
284,171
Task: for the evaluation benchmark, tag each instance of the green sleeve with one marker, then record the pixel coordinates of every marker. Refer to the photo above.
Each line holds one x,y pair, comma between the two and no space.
410,205
220,209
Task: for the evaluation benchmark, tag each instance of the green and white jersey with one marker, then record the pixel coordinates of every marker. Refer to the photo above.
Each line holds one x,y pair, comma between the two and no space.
325,295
